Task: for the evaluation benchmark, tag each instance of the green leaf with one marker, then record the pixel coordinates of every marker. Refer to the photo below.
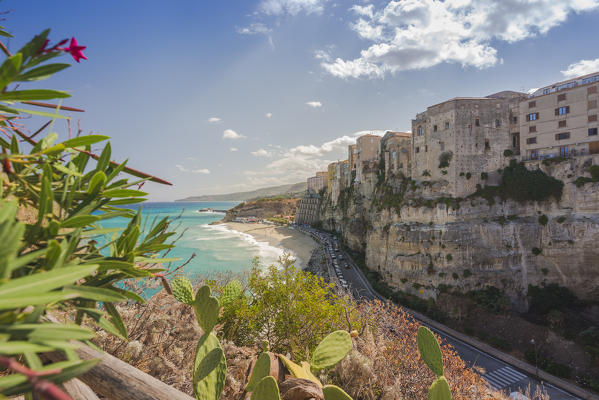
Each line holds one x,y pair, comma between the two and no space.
267,389
260,370
51,331
332,392
84,141
22,301
100,319
20,347
43,72
212,385
79,221
123,193
10,69
331,350
41,113
45,281
96,293
117,320
33,94
122,202
439,390
429,350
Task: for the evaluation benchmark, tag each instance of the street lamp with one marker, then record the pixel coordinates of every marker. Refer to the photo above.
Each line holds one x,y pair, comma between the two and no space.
532,341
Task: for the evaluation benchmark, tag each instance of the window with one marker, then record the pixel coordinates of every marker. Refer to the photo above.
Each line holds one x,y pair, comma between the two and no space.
532,104
434,128
562,110
532,128
561,97
425,148
562,136
531,140
592,118
561,124
442,146
487,145
497,123
592,89
417,149
515,120
394,154
447,125
532,116
515,140
419,130
592,131
534,154
477,122
592,104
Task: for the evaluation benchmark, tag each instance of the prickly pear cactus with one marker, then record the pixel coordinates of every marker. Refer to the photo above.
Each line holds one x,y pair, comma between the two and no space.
332,392
182,290
331,350
231,291
430,351
439,390
298,371
260,370
266,389
206,308
210,369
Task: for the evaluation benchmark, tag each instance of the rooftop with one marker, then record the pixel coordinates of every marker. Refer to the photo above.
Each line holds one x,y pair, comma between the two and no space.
567,84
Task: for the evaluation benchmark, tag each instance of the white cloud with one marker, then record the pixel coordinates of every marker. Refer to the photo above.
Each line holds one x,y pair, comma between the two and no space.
269,115
214,120
582,67
203,171
314,104
254,28
233,149
231,134
261,153
416,34
291,7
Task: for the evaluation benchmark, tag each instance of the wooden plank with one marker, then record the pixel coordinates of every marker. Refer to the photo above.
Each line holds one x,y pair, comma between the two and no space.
79,390
115,379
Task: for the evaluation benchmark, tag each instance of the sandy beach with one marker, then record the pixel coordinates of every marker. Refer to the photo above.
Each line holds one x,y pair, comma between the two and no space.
279,236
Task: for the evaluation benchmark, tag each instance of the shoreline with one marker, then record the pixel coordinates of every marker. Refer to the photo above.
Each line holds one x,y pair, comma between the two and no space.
290,240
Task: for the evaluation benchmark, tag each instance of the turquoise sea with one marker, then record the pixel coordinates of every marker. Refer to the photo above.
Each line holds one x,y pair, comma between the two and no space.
218,249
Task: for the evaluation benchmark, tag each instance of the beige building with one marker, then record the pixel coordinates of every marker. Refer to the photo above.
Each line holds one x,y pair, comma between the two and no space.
340,179
307,210
456,141
561,119
396,150
316,183
368,150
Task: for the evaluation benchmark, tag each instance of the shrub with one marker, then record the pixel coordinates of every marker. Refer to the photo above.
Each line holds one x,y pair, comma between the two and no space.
455,276
404,280
444,172
536,251
426,173
449,257
484,175
542,299
491,298
445,158
543,220
467,273
462,174
561,219
508,153
545,271
522,185
594,171
468,175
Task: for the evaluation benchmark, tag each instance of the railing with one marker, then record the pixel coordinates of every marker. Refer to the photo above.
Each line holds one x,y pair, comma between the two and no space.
570,154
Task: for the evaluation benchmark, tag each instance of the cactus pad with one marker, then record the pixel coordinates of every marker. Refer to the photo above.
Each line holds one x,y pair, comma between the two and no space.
331,350
332,392
206,308
266,389
260,370
429,350
231,291
298,371
182,290
210,368
306,366
439,390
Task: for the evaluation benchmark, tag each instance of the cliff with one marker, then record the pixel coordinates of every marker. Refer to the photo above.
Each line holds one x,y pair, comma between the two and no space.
263,208
422,243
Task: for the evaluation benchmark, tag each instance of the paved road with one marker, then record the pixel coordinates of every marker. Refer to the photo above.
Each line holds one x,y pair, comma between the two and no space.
498,374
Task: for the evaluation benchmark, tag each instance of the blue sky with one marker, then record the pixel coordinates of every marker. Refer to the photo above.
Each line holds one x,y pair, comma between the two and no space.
219,96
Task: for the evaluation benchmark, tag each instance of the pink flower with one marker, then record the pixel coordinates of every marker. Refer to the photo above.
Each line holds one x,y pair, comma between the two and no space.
75,50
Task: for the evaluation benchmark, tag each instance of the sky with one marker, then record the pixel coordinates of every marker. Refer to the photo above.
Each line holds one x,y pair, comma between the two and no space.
218,96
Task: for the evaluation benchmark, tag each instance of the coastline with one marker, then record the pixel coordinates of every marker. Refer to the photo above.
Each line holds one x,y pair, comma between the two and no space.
299,245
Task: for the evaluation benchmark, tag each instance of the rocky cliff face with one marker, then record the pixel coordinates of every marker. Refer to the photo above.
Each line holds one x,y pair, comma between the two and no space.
421,243
263,208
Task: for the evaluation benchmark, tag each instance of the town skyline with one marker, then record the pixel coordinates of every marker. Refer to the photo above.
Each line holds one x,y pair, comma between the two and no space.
276,90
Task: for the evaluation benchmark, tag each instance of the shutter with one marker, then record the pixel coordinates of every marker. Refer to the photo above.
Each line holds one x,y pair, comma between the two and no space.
567,109
557,111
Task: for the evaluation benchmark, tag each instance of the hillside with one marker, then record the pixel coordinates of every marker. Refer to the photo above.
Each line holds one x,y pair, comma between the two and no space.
263,208
291,190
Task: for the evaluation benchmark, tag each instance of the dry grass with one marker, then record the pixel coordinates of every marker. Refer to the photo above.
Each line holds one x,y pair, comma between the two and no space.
383,365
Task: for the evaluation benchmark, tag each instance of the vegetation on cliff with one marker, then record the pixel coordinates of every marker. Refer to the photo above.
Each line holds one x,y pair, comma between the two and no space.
264,208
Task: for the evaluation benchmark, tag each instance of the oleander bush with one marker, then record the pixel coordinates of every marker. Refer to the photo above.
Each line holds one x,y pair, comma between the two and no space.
55,256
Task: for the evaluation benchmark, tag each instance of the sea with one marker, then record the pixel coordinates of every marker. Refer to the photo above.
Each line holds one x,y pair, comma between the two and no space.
219,250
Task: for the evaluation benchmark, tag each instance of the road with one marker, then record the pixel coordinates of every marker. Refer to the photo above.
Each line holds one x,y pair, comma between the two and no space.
498,374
